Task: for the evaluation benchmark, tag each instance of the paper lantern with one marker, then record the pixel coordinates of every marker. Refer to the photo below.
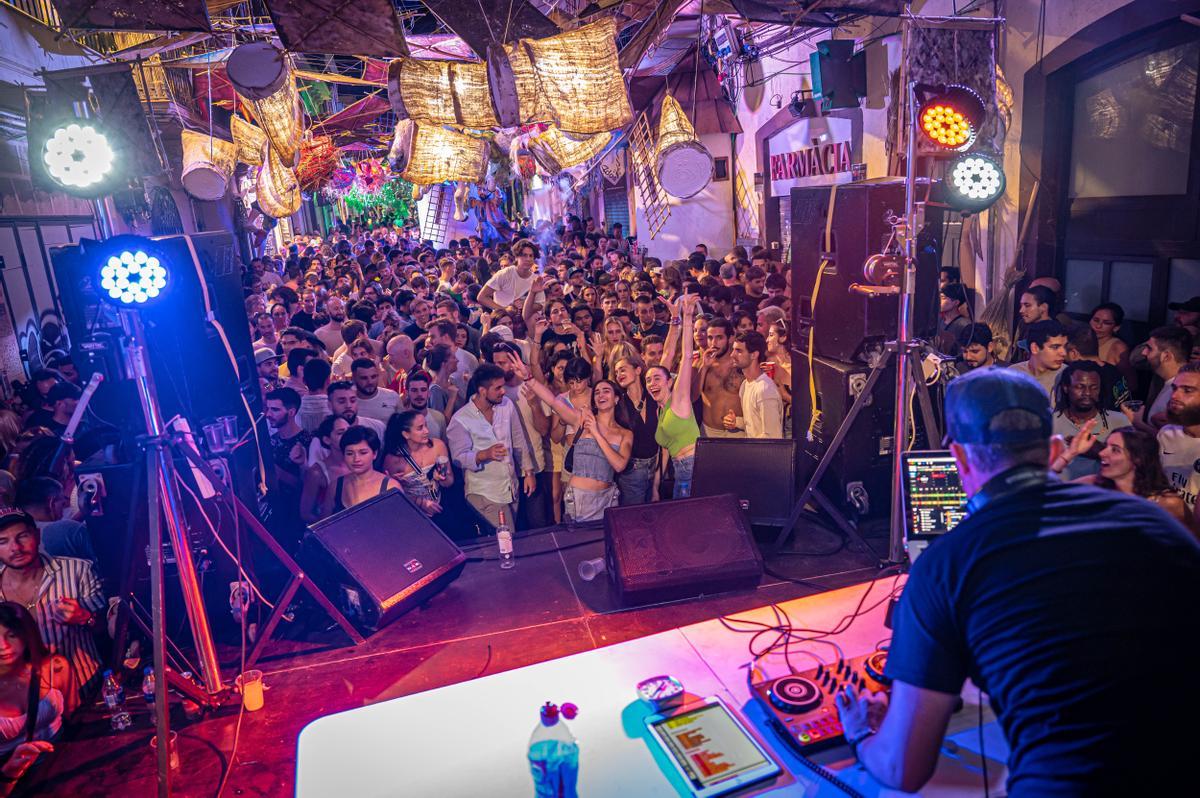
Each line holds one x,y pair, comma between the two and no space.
249,140
207,165
318,159
277,188
262,75
438,155
370,175
684,166
441,92
342,179
573,79
556,151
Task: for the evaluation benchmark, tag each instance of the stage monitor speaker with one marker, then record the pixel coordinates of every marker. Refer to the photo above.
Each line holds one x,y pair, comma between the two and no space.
859,478
382,558
761,472
844,321
670,550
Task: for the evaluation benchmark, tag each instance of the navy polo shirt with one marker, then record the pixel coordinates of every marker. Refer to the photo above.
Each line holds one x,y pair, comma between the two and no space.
1076,609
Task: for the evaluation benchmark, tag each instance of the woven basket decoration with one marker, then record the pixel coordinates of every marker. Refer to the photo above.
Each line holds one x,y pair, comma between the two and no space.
683,165
207,165
556,151
249,140
441,92
438,155
277,188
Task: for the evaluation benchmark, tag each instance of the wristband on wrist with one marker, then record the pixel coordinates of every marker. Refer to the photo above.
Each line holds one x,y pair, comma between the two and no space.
854,742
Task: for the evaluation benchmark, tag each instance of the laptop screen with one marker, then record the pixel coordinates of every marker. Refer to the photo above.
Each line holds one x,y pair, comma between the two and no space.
933,494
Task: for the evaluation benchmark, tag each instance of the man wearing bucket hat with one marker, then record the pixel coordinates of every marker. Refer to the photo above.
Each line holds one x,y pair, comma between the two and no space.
1063,602
267,363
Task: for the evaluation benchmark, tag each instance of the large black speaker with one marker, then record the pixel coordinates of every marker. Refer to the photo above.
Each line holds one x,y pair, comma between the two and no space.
859,477
192,370
761,472
860,227
382,558
670,550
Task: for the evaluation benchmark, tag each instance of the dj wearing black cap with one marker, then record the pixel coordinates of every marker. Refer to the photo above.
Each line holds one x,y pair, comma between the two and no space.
1072,607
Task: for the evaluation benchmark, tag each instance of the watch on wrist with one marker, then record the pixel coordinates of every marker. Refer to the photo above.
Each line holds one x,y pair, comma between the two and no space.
855,741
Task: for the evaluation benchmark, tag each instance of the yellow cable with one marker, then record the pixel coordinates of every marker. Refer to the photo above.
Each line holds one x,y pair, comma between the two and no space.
812,376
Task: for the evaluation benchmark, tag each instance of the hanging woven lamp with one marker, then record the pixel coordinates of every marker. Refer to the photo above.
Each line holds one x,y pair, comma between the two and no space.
573,79
684,166
318,159
262,75
207,165
441,92
556,151
432,154
249,140
277,188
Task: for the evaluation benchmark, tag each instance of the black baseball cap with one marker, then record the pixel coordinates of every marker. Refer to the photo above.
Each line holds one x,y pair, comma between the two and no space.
62,390
1191,306
977,397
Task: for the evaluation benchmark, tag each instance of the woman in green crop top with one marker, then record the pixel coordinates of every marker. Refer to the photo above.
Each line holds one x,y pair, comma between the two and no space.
677,429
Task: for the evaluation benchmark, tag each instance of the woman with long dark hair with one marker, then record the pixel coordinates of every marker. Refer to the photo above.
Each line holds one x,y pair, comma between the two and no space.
418,460
36,690
1130,462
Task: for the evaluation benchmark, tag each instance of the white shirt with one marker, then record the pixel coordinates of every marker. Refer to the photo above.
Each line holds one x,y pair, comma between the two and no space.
1181,462
762,408
470,432
1046,378
508,286
380,406
1159,405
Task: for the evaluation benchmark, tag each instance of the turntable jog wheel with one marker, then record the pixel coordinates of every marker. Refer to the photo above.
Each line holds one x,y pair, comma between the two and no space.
795,694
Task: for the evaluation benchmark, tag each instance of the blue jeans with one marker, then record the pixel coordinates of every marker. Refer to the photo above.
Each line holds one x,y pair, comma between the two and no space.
636,482
683,476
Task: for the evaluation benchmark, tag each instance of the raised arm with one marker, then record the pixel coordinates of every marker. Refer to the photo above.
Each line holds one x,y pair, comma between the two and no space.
681,396
530,305
561,408
672,342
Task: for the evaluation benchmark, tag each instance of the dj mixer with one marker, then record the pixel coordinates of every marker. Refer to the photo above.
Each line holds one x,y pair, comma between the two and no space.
803,706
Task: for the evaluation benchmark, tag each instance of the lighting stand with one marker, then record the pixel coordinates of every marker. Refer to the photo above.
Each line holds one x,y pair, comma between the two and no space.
906,352
162,495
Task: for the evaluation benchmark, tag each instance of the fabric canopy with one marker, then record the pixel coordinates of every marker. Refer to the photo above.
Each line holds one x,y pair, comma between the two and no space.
356,115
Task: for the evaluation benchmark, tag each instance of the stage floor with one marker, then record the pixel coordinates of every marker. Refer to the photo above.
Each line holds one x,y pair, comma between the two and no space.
489,620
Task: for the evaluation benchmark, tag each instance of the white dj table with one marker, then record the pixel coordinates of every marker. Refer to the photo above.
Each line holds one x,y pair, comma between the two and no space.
470,739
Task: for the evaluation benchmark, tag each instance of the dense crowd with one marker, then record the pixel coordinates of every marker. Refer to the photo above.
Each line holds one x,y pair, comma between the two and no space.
538,382
544,385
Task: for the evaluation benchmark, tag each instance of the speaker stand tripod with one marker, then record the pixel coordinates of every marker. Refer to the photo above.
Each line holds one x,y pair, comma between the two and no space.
812,490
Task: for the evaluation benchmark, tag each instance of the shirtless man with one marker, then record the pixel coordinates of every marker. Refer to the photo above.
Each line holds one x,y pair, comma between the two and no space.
719,382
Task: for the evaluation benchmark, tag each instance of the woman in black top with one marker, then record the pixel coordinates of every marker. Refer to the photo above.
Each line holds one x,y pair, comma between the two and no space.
360,450
639,412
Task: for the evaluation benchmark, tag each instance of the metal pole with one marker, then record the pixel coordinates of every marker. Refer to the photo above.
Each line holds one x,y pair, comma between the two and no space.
904,334
210,669
162,722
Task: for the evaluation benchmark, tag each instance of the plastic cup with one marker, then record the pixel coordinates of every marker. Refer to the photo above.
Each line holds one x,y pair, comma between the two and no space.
590,569
252,690
172,749
214,436
230,426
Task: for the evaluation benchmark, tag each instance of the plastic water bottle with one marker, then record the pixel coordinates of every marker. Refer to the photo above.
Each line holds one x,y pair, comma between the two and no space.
504,541
148,684
554,754
114,700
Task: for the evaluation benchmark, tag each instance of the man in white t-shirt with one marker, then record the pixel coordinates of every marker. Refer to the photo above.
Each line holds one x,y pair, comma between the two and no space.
508,287
1167,350
373,401
762,406
1179,440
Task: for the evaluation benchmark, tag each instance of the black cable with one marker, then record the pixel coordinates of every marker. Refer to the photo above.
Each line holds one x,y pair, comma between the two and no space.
982,753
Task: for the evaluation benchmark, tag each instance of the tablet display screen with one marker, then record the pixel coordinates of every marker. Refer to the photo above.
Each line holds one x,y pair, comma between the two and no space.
709,745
